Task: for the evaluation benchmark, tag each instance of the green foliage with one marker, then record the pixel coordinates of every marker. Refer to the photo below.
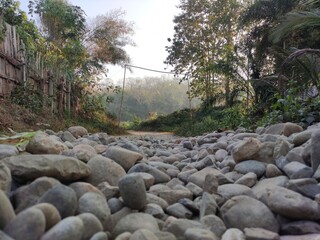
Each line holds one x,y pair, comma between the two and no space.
28,97
192,123
203,47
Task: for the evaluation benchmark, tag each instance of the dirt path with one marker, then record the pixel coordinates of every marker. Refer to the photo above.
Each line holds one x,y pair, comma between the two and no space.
158,135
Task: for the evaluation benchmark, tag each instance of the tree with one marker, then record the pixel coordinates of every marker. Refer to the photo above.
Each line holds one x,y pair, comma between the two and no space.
257,21
202,46
106,37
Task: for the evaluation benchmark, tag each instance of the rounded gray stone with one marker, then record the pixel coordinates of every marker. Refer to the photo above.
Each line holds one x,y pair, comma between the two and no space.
28,195
256,167
135,221
29,224
100,236
68,228
243,211
50,212
96,204
63,198
104,170
6,210
91,225
81,188
5,178
133,191
7,150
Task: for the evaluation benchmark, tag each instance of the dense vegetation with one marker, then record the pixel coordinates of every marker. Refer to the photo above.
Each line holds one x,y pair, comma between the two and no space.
71,50
258,60
250,62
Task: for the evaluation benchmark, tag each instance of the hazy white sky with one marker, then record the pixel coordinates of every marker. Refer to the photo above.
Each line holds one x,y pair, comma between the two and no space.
153,25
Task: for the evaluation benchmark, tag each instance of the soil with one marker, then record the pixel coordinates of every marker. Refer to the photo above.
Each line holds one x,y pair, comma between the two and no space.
15,118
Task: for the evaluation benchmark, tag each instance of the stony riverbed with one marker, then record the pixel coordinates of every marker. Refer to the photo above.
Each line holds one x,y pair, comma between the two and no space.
229,185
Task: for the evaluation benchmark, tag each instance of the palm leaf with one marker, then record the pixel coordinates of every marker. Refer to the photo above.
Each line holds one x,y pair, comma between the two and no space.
296,21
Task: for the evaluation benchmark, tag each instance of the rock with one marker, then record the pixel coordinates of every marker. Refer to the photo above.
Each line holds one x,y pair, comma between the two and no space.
97,205
154,210
300,228
296,170
281,148
290,204
143,234
306,186
220,155
124,236
195,189
198,178
260,188
251,166
91,225
123,157
84,152
159,176
81,188
245,212
214,224
246,150
68,228
266,152
133,191
4,236
66,136
28,195
115,205
148,179
199,234
233,234
228,191
7,150
42,143
172,196
30,167
260,233
165,236
100,236
78,131
108,190
301,237
104,170
178,227
191,205
63,198
315,150
6,210
184,175
249,179
5,178
211,183
135,221
272,171
208,205
51,214
179,211
302,137
285,129
29,224
187,145
151,198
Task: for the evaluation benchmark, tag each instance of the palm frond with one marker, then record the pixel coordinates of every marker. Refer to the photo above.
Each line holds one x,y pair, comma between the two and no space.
295,21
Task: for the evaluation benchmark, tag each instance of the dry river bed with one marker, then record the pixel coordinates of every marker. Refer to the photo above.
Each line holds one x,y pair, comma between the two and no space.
229,185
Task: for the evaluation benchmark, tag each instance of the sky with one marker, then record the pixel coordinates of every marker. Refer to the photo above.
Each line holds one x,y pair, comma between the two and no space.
153,24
